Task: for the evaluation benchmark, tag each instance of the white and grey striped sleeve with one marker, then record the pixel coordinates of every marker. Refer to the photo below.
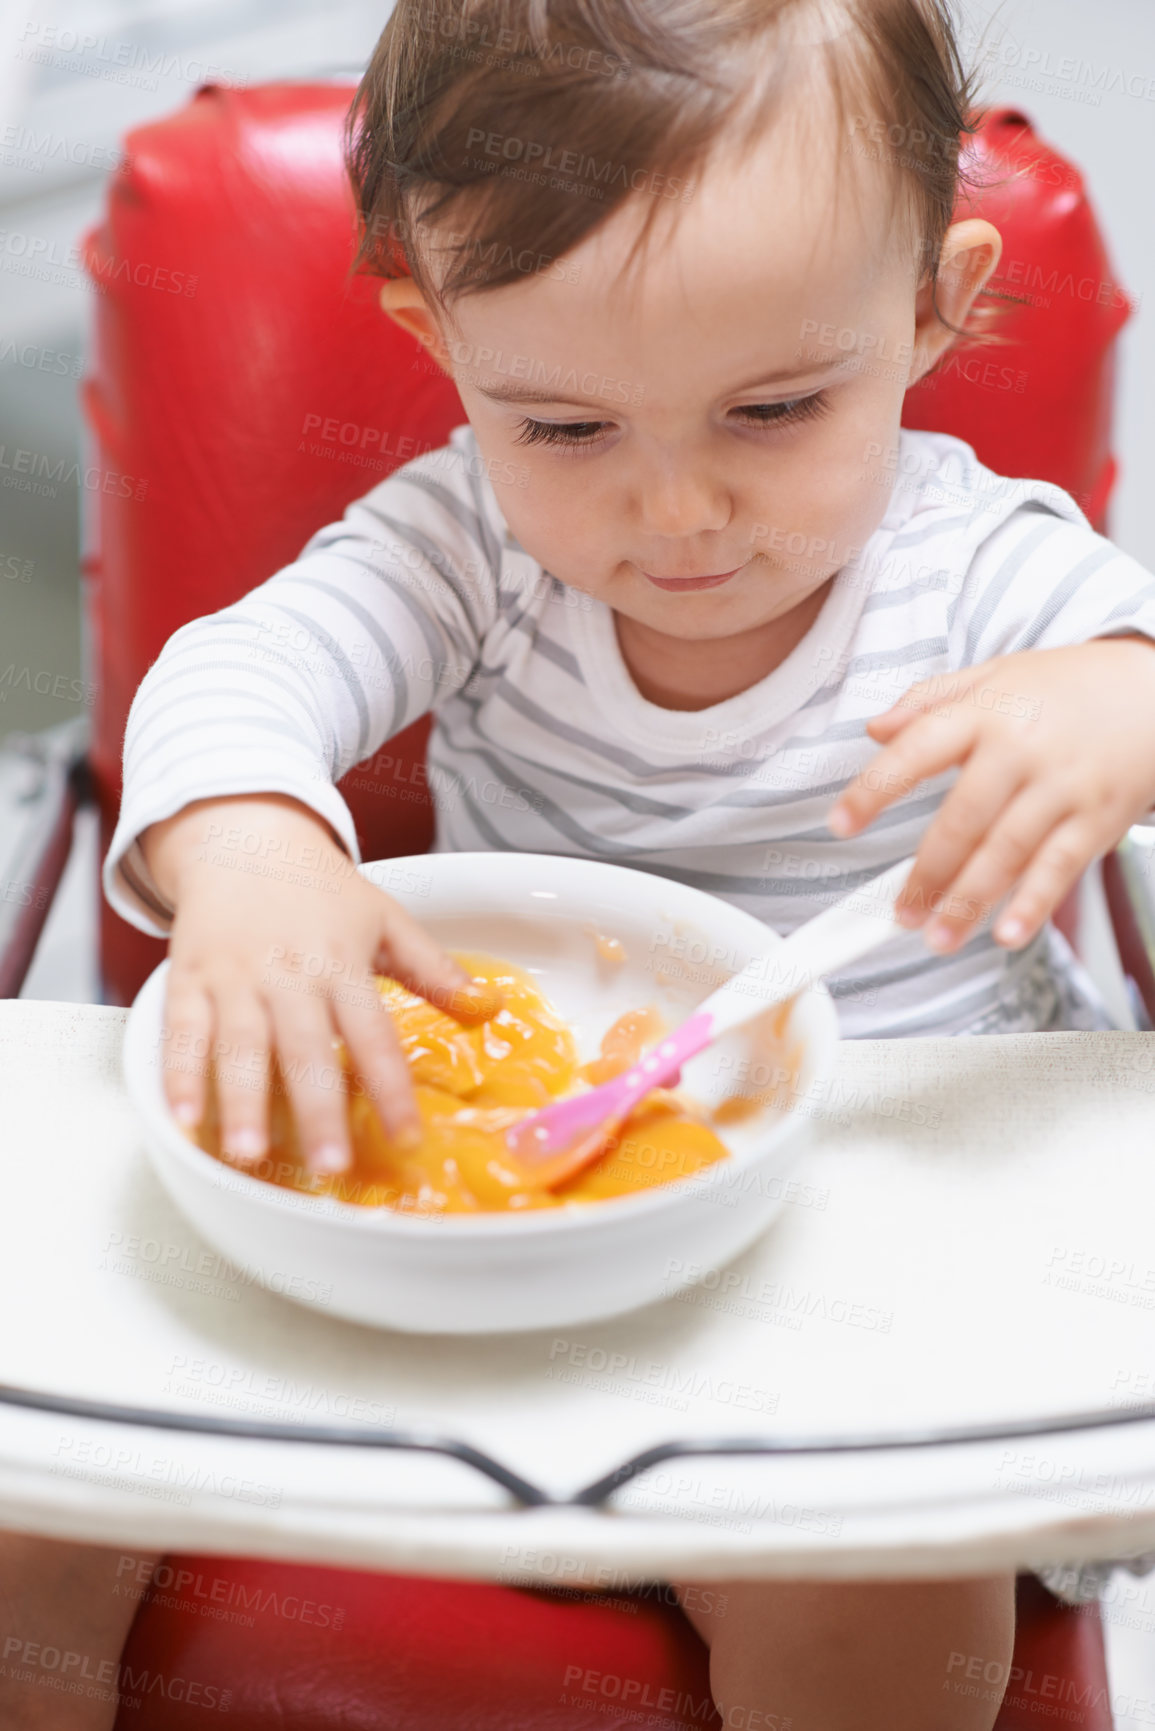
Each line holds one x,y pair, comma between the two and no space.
1040,581
381,616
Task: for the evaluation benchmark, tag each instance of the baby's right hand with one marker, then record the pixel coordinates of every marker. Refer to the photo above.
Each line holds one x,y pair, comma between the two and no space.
260,965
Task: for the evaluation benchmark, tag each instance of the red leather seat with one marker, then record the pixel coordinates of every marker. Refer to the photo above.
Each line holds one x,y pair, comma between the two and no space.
286,1648
313,1649
243,388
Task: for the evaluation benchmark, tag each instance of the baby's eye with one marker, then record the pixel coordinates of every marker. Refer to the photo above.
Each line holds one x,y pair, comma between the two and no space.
559,432
775,414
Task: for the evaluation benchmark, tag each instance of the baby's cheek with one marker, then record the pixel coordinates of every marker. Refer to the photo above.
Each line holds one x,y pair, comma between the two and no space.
568,533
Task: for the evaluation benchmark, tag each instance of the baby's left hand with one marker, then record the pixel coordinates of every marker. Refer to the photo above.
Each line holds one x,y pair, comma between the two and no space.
1057,748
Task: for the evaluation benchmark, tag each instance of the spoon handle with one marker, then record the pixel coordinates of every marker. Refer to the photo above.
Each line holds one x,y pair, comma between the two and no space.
859,922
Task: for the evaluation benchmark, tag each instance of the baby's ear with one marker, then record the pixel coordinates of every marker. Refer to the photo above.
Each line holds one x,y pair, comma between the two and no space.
970,254
407,306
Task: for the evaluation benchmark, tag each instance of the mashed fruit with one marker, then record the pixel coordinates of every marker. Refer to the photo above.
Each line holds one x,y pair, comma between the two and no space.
471,1084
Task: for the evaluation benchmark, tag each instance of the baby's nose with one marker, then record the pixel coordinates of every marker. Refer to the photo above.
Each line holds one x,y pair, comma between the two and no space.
679,501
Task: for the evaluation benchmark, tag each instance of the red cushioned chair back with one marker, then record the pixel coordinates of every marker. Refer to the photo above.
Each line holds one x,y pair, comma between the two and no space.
250,388
1040,402
244,388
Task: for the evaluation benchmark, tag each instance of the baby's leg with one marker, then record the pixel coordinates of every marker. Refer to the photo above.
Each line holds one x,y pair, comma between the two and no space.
65,1612
854,1656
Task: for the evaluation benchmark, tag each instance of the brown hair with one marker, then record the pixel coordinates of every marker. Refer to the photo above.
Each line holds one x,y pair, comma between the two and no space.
609,98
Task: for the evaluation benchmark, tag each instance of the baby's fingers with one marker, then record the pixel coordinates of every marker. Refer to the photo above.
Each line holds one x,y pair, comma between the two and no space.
187,1041
926,748
314,1079
241,1057
378,1060
1057,866
966,817
935,693
410,955
1036,843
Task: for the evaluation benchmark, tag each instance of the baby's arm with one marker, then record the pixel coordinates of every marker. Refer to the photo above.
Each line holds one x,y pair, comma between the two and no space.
1055,740
235,740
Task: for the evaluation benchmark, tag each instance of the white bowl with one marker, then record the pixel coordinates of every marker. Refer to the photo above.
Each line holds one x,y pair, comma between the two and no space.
473,1274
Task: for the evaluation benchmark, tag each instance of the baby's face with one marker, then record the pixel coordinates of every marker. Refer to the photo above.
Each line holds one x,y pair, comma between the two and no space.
695,449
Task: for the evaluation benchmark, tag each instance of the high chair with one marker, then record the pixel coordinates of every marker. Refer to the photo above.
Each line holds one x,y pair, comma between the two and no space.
242,389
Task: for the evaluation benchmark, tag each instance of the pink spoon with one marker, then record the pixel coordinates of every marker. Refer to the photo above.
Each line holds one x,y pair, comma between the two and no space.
556,1142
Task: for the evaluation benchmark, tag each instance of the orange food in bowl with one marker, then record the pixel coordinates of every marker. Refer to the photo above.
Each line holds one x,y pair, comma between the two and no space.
471,1084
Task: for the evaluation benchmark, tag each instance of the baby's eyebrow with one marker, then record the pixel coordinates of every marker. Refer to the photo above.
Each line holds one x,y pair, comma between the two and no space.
515,392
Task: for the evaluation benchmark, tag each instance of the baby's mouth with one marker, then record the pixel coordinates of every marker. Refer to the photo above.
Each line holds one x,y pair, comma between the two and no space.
679,585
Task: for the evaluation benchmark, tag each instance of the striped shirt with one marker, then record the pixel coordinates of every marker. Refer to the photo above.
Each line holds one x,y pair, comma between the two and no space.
421,599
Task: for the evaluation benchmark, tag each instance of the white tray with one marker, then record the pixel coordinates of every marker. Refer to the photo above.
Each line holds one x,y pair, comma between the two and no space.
969,1240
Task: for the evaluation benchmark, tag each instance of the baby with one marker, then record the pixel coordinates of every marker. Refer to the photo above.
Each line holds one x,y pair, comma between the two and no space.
684,593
